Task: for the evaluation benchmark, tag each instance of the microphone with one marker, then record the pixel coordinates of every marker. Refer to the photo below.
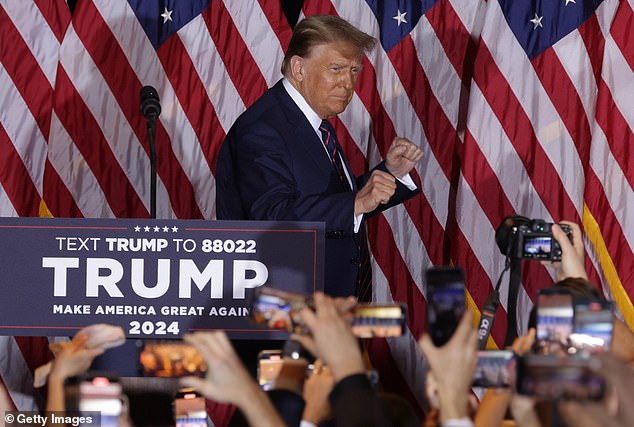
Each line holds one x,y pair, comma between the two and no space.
151,108
150,104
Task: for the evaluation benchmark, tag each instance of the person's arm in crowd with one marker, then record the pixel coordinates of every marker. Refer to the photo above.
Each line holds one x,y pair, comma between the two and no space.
496,401
572,253
72,360
524,413
622,341
620,376
353,401
453,366
316,390
228,381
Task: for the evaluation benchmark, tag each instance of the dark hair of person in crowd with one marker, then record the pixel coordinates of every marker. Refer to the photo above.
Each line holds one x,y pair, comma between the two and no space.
322,29
399,410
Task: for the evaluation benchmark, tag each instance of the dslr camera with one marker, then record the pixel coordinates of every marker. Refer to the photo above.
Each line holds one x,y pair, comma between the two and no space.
524,238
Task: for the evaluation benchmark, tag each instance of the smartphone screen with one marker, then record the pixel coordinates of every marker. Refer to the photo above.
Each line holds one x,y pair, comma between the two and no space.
495,369
171,359
277,309
102,394
378,320
555,314
552,377
269,367
445,302
190,409
592,327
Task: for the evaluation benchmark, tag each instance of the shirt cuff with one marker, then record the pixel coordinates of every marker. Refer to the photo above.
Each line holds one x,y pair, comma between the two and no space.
305,423
458,422
407,181
358,220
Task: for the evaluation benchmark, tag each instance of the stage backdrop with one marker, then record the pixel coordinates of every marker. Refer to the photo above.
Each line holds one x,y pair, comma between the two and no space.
519,106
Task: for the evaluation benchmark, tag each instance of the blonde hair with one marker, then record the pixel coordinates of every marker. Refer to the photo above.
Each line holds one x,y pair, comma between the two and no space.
321,29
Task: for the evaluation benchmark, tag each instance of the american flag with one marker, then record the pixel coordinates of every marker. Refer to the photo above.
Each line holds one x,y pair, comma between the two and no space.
519,107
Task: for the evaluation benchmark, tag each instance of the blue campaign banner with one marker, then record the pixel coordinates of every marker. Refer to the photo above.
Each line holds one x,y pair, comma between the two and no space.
154,278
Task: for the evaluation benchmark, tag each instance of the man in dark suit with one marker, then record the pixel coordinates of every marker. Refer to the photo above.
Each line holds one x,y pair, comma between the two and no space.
281,159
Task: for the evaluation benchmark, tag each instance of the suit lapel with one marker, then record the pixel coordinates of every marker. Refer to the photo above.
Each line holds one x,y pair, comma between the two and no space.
303,133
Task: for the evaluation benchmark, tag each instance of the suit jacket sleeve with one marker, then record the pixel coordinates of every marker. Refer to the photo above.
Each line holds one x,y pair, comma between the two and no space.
275,182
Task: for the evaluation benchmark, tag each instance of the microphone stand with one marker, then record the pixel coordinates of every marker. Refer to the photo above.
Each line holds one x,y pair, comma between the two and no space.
151,128
151,108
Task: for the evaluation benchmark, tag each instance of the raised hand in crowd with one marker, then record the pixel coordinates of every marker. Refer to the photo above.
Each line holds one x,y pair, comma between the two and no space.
496,401
572,253
316,390
227,380
620,377
331,338
453,366
73,359
353,401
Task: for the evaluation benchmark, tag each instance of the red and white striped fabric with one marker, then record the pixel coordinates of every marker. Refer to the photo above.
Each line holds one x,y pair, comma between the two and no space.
30,36
525,141
544,134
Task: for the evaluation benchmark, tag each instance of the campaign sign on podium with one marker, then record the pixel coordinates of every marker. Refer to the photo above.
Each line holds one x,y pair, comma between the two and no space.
154,278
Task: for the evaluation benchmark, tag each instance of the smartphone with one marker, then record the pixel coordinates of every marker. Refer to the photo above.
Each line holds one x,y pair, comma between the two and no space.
445,302
495,369
554,322
171,359
592,327
370,321
277,309
552,377
190,409
269,367
97,393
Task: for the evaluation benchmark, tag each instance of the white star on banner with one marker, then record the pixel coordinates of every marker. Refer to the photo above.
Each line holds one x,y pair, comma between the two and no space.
537,21
400,17
174,229
146,228
166,229
157,229
137,228
167,15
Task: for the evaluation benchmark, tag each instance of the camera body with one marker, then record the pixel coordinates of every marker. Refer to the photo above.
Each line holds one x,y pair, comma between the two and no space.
534,241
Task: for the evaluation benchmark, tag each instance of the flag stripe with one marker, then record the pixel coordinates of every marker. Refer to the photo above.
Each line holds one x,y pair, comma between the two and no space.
193,97
178,162
594,42
276,18
56,14
22,130
34,30
223,95
611,120
620,31
25,73
515,122
242,68
15,179
258,36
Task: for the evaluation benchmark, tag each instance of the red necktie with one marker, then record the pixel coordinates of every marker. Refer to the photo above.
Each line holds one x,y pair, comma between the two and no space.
329,139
